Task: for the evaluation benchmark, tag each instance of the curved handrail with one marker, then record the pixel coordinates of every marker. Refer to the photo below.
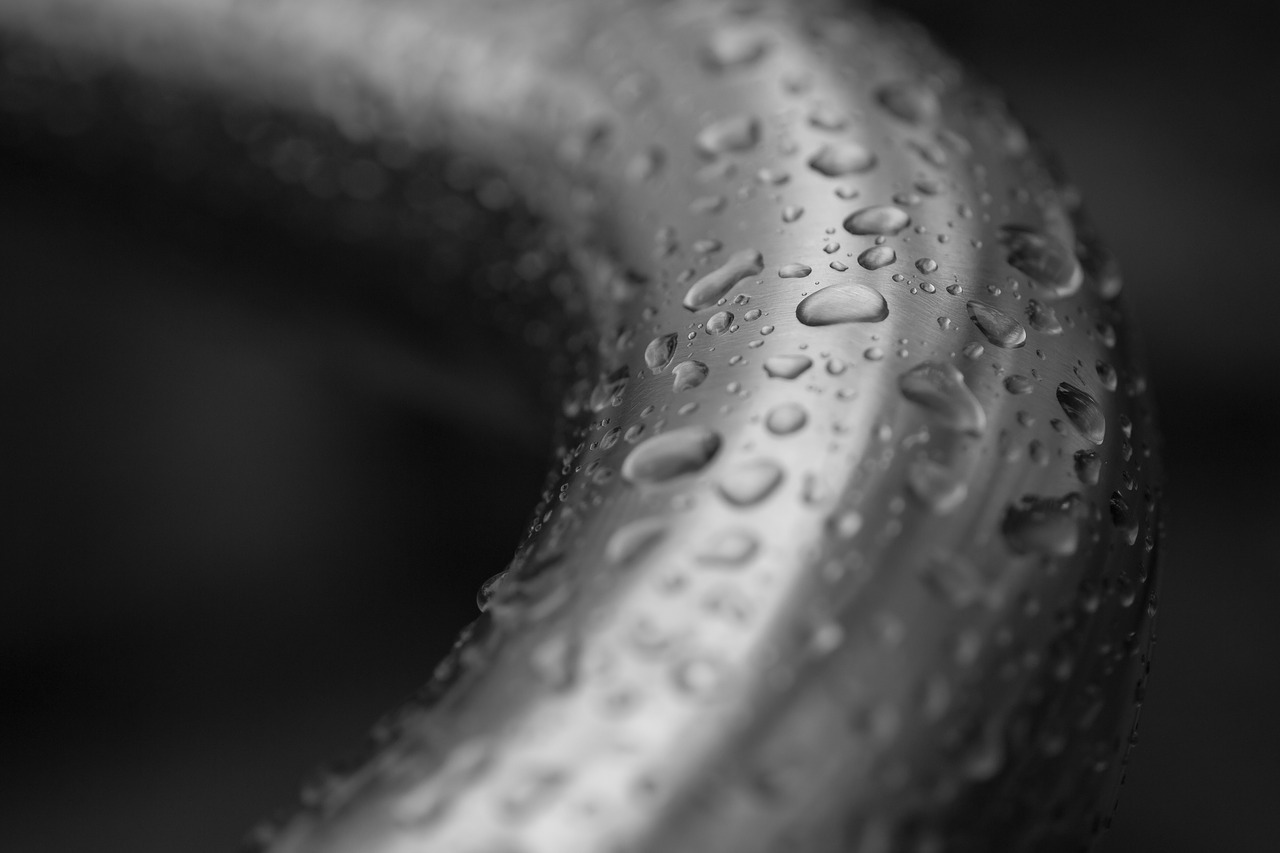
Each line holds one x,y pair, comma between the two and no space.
851,541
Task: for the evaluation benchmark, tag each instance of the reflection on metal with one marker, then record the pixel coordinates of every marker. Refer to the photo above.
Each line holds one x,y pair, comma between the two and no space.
849,545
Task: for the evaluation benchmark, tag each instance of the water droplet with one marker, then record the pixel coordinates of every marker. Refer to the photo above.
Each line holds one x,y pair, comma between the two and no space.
734,47
1019,384
1106,375
698,676
727,548
792,212
646,165
940,389
1083,411
633,540
910,101
672,454
1043,259
1043,318
826,117
719,323
659,352
488,590
786,418
1123,518
882,219
688,375
927,265
998,327
1045,526
935,485
708,290
707,204
842,303
608,390
787,366
794,271
877,257
837,159
734,134
750,482
1088,466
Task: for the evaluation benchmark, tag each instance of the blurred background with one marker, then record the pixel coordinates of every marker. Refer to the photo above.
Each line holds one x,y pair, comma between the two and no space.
250,482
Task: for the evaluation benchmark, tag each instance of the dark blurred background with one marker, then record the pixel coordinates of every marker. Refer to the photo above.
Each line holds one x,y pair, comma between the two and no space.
248,492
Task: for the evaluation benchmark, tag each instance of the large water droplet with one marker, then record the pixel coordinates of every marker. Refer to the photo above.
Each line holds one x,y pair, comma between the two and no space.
998,327
750,482
672,454
882,219
659,352
786,419
842,303
1083,411
877,257
720,322
688,375
940,389
787,366
1046,526
841,158
794,271
1043,259
733,134
708,290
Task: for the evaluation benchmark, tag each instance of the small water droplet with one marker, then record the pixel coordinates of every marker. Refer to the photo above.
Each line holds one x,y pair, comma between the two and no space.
881,219
1083,411
877,257
750,482
688,375
733,134
786,418
1125,520
708,290
670,455
838,159
794,271
842,303
998,327
940,389
792,212
787,366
